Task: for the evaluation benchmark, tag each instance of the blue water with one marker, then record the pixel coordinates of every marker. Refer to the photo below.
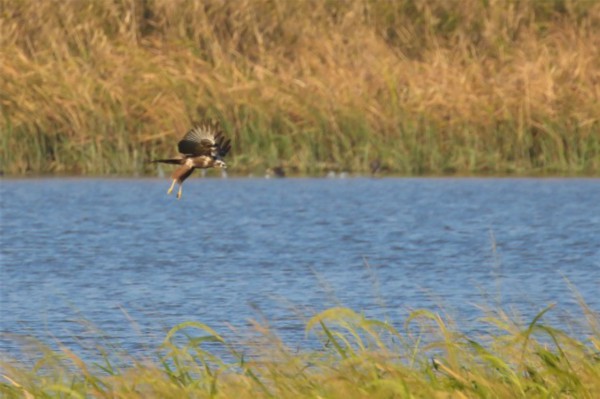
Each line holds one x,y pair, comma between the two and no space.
134,262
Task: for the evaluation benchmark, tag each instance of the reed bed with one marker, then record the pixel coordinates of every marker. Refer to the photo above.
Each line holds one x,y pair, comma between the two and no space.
356,357
417,87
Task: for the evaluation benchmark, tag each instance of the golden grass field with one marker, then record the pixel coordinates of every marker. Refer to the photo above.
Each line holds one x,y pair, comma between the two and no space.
422,87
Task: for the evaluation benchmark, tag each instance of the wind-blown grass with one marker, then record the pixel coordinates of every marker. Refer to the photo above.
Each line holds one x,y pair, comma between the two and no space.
459,86
357,357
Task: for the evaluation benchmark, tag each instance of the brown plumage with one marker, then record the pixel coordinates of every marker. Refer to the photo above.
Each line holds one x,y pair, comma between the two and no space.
204,146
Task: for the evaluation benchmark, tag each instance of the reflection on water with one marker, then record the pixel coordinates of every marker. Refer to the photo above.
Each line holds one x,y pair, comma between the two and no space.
113,251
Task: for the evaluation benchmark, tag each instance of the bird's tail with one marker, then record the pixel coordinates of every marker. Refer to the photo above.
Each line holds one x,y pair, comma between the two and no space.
174,161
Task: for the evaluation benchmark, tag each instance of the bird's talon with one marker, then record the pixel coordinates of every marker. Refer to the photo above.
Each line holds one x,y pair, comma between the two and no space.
171,188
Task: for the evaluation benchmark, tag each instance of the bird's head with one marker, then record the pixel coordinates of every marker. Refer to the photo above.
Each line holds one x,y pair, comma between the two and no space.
220,164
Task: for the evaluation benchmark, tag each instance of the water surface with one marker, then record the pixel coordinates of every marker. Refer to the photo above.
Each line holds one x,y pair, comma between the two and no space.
134,262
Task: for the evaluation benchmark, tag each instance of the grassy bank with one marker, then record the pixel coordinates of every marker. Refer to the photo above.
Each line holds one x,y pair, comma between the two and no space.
440,86
358,358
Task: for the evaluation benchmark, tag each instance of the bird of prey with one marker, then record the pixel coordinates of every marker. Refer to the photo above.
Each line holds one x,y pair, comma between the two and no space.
203,147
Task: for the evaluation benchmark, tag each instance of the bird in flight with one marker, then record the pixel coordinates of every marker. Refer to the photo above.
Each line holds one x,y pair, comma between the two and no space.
203,147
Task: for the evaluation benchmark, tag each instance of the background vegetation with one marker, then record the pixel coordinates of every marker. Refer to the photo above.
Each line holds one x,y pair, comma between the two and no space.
422,87
356,357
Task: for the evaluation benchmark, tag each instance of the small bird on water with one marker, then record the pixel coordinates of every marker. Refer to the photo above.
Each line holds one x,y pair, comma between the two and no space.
203,147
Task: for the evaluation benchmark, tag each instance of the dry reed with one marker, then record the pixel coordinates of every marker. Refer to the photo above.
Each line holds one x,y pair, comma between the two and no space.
460,86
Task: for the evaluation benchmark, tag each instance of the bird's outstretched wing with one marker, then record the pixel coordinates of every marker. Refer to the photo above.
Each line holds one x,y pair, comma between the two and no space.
223,146
204,139
200,140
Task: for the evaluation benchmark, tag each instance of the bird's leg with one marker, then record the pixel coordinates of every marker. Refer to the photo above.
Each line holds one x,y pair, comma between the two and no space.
170,190
179,192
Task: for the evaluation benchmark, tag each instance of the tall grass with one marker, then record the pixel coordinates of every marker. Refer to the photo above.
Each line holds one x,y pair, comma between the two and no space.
355,357
459,86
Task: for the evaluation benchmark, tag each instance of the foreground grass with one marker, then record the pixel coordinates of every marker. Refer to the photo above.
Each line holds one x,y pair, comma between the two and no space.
358,358
418,87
